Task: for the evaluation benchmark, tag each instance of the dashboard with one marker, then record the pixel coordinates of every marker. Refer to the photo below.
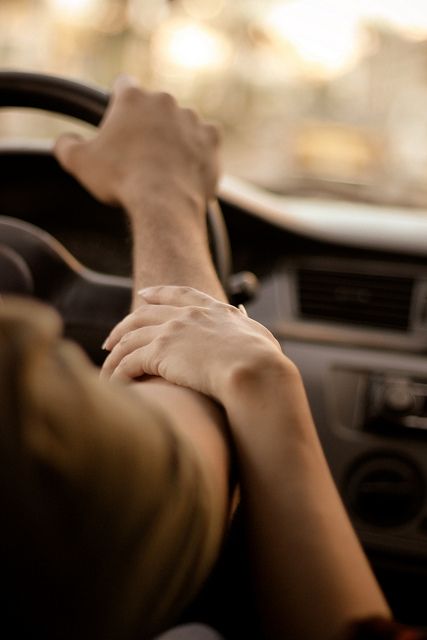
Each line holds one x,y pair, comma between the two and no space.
344,289
349,308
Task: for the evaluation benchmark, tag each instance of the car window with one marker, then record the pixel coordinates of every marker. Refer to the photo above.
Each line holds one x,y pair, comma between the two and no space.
314,97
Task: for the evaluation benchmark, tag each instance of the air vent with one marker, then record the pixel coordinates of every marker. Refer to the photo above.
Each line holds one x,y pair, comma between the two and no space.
385,491
377,301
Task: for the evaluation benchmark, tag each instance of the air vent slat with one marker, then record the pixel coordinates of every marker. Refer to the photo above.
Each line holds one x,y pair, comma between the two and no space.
377,301
316,294
353,308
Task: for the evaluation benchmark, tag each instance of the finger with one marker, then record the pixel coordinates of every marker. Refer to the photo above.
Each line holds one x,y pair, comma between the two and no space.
165,100
191,116
130,341
135,365
177,296
146,315
213,133
123,82
68,150
122,86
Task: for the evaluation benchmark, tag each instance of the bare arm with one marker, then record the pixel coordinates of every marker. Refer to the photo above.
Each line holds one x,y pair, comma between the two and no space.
159,162
311,575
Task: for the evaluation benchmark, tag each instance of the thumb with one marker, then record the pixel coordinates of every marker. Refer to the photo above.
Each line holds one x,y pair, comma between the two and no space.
68,151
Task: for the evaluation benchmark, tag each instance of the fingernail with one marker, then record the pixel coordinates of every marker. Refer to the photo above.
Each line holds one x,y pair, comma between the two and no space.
104,345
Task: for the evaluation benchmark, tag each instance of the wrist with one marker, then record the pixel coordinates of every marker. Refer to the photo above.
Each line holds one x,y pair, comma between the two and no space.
162,197
262,394
256,374
176,218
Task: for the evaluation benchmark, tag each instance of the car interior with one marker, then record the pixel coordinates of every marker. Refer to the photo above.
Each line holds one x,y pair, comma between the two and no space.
340,281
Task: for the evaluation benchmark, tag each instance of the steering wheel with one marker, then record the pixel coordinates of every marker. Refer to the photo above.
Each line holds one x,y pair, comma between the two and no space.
37,198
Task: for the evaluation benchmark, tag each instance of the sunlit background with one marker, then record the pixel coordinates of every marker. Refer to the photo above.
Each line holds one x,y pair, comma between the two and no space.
314,96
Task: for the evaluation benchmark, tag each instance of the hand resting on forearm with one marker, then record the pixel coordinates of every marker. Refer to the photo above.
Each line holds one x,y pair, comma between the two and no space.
309,570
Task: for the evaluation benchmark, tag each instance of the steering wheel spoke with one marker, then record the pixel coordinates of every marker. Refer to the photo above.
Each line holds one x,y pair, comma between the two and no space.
33,263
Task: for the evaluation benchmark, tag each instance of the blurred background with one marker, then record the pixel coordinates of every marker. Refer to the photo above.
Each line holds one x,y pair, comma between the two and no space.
315,97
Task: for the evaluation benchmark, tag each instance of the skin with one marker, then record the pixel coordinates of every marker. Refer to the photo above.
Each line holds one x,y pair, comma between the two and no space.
108,450
306,556
160,163
309,570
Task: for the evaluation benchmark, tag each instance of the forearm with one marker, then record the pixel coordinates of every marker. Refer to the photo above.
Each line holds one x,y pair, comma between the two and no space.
160,163
171,244
171,247
200,424
312,575
200,430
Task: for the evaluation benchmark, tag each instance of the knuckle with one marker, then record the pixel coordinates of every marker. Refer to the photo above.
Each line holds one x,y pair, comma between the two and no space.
213,133
156,364
107,366
190,114
157,290
226,308
234,311
160,342
74,153
195,314
125,338
131,94
125,363
165,100
139,315
175,326
186,289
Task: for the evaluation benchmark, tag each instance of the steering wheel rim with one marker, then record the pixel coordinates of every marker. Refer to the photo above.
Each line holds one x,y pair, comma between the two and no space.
53,93
88,104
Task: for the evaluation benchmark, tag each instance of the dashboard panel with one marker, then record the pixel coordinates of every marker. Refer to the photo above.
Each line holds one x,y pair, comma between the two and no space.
354,321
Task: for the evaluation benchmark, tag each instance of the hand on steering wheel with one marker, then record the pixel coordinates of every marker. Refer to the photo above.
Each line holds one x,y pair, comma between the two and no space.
31,261
146,143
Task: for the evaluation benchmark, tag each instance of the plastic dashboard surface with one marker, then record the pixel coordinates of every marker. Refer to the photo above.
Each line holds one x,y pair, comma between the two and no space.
355,324
352,316
367,388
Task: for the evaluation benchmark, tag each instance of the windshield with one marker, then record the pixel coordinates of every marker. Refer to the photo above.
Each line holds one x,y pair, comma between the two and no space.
314,97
